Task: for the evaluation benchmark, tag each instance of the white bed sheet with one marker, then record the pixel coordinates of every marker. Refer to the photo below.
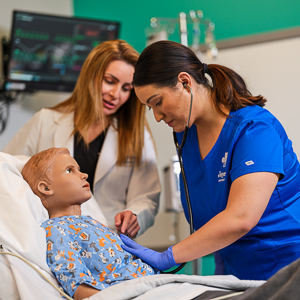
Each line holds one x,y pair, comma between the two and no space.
21,214
172,286
24,283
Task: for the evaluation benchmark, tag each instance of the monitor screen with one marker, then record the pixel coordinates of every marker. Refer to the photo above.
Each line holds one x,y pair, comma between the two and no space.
47,52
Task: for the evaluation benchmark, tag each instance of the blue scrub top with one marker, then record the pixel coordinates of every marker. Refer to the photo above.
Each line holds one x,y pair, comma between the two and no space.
251,140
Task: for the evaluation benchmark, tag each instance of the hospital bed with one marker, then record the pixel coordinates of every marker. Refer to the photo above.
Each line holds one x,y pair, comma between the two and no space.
21,214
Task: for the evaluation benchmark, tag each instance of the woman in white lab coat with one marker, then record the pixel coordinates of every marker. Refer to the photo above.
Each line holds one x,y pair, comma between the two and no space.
104,127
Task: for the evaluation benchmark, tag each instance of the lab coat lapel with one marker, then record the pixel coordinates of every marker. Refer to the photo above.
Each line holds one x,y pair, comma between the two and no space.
108,154
62,136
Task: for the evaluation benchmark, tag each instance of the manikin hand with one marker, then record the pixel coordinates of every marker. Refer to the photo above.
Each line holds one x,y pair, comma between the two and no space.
126,222
162,261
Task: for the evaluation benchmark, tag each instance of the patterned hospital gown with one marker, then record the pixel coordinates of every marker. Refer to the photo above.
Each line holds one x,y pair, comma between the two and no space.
82,250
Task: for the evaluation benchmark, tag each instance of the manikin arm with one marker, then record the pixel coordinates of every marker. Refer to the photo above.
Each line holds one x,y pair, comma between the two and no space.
84,291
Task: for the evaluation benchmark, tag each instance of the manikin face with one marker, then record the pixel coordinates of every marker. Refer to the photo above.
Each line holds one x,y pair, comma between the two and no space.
116,85
168,104
69,185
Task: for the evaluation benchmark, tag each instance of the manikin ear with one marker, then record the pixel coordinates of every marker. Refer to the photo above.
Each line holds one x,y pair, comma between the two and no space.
44,189
184,77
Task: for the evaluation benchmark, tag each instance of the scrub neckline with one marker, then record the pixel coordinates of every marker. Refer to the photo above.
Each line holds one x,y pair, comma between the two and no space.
210,155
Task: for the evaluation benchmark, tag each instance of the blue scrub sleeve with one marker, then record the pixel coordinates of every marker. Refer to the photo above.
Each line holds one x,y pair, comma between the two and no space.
258,149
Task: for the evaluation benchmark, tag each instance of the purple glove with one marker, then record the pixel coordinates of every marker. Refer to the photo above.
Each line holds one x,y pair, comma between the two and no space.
162,261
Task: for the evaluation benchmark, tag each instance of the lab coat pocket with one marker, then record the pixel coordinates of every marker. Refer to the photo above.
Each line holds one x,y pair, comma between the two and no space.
272,260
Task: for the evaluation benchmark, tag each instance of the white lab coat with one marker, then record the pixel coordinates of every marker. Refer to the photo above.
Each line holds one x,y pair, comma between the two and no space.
116,188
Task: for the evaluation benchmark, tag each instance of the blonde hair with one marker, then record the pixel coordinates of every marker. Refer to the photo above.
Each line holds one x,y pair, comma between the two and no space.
86,101
39,168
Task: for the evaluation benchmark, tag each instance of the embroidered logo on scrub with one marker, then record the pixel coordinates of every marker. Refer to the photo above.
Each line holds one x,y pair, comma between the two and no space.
249,163
224,159
221,175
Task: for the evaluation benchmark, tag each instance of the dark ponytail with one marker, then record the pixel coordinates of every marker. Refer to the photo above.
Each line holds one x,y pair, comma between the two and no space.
161,62
229,88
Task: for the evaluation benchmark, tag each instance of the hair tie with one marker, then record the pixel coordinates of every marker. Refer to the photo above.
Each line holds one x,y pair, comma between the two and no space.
204,70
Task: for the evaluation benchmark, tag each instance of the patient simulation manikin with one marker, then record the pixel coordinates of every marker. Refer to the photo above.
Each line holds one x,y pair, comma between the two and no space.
84,255
82,250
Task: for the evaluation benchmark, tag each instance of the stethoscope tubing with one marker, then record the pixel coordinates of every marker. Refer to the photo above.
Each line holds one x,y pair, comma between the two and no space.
186,190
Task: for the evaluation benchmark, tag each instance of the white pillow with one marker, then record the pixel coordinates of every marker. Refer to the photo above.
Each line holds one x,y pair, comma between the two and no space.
22,213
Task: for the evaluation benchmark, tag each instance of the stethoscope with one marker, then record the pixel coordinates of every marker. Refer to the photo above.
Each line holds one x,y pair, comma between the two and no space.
186,190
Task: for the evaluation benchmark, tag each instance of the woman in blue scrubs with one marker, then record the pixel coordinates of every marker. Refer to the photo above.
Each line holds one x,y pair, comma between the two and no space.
242,173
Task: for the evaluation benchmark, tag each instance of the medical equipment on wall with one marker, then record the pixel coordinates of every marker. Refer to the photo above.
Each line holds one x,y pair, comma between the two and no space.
172,186
203,38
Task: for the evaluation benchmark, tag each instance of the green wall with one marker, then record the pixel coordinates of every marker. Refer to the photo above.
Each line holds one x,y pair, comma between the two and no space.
233,18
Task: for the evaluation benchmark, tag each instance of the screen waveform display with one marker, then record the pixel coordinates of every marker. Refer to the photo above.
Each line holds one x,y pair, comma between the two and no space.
47,52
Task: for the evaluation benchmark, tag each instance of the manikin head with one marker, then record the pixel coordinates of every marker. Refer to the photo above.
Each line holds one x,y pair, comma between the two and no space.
54,176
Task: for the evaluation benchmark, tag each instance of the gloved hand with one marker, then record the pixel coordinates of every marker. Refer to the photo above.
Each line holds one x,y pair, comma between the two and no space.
162,261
